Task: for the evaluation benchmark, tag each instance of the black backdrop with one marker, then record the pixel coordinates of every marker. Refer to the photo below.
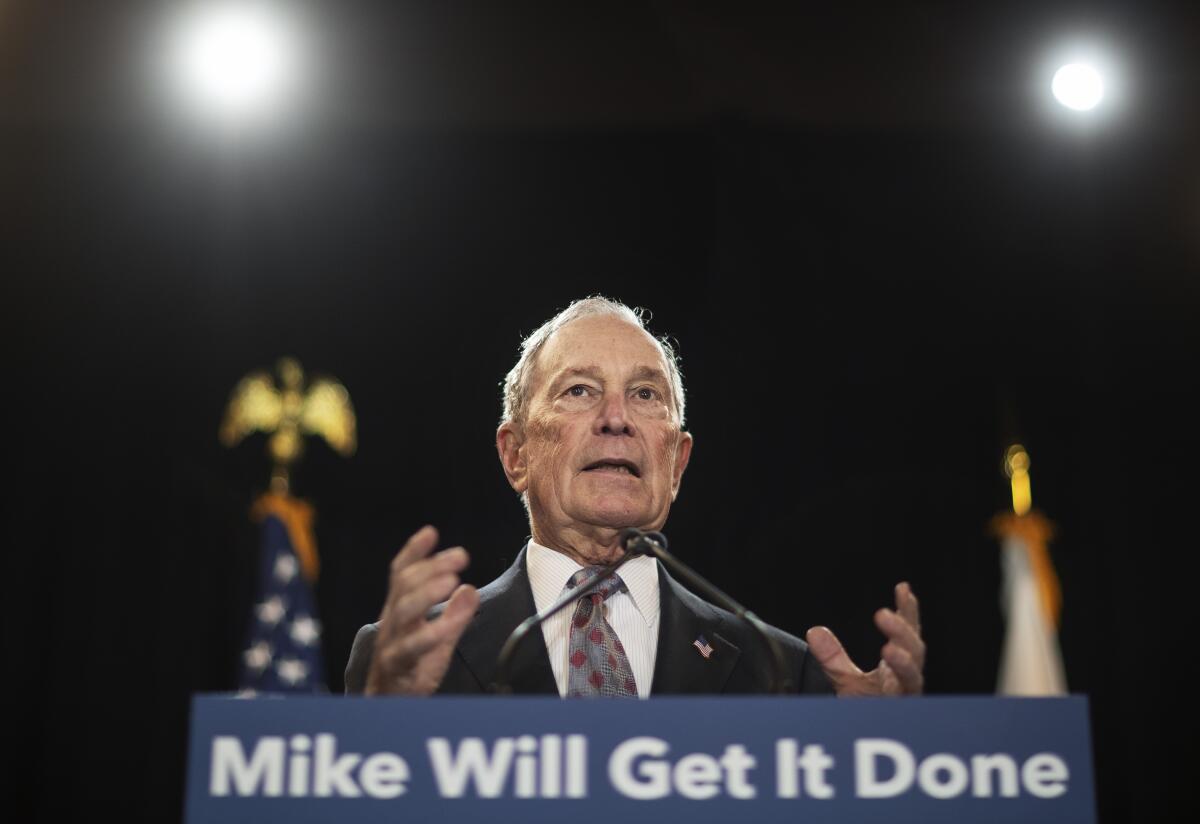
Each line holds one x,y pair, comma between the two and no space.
873,294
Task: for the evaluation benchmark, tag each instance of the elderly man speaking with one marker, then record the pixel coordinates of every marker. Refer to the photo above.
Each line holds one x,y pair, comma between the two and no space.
592,439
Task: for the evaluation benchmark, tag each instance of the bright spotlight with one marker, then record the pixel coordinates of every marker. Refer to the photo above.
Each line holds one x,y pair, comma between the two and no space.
234,60
1078,86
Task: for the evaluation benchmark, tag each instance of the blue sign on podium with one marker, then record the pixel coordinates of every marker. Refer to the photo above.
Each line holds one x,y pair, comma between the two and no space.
533,759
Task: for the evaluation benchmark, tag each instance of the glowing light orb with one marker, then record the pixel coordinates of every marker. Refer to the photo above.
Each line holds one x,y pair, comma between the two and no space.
234,60
1078,86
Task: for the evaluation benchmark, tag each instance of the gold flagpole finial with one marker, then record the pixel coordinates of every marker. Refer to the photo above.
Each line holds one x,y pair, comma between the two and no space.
287,411
1016,468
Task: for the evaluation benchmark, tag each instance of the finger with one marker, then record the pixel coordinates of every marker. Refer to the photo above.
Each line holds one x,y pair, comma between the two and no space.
899,631
907,606
463,605
904,667
415,575
407,650
420,544
831,654
885,678
411,608
459,612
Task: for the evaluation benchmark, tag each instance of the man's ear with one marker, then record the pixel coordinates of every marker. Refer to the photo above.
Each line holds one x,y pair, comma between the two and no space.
509,440
683,453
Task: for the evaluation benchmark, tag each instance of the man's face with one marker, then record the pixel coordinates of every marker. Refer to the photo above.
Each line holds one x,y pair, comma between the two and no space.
601,446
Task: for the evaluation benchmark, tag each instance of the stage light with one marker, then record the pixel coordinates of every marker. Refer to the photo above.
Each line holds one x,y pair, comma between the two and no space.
234,61
1078,86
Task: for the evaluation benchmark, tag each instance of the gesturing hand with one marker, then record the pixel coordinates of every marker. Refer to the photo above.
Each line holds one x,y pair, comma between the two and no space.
411,652
903,656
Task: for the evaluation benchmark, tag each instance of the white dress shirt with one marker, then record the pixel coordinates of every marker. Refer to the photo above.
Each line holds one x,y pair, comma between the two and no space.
633,615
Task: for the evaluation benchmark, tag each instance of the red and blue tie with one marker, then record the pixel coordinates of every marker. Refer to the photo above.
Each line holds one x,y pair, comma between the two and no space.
596,661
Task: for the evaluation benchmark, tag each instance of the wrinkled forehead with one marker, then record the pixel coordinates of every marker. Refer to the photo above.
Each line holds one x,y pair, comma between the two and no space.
603,343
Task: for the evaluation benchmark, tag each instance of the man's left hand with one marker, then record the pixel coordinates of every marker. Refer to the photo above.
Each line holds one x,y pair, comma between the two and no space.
903,656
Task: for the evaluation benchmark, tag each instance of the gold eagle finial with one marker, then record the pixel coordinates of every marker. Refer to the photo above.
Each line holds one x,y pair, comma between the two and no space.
287,412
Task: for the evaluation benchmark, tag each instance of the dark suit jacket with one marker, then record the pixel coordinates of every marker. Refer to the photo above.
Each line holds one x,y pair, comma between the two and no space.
740,662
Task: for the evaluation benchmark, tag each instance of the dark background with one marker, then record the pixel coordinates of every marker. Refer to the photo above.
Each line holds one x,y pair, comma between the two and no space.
884,255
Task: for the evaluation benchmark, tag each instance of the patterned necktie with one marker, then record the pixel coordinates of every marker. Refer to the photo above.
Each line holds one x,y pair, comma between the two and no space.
596,660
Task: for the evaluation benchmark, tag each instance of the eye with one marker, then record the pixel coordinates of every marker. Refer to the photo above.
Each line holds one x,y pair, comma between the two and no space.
647,394
583,390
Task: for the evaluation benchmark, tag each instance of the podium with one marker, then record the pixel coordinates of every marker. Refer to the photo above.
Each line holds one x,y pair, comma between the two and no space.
695,759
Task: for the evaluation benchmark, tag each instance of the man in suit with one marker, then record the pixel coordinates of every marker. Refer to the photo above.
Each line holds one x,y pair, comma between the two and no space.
592,439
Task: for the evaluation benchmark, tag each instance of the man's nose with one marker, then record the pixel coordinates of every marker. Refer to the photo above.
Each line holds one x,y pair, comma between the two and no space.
614,416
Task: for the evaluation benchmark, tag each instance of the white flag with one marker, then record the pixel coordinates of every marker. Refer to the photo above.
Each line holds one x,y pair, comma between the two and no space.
1030,663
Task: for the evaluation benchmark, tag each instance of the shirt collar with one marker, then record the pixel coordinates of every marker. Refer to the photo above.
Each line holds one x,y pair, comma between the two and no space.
549,570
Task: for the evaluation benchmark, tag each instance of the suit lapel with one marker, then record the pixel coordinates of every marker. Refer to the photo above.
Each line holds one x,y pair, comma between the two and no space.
503,604
679,666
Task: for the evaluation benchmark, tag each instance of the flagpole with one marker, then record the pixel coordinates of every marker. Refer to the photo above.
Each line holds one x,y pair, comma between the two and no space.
282,652
1030,660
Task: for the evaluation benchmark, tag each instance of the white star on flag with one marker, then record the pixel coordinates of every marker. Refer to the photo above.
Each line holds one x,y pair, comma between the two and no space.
292,670
285,568
305,630
258,656
271,611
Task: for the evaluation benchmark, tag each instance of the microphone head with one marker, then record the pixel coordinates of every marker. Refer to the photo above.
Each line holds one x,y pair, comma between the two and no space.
657,537
629,536
635,542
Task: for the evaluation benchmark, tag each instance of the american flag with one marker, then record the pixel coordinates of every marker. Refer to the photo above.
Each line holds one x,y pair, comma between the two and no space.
283,645
701,644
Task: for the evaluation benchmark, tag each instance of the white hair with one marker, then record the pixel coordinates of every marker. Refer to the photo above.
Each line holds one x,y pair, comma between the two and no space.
517,382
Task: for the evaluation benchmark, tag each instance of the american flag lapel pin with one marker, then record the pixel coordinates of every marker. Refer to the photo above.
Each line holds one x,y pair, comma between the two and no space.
701,644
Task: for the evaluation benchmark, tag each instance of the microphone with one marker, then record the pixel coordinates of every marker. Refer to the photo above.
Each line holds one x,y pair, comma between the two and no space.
654,544
504,660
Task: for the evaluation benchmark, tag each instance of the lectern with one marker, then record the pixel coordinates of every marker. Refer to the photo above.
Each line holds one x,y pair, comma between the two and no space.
686,759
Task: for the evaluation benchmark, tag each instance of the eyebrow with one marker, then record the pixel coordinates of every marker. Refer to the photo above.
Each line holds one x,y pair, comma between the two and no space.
640,372
649,373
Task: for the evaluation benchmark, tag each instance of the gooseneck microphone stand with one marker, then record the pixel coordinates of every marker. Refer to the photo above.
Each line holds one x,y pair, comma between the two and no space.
637,542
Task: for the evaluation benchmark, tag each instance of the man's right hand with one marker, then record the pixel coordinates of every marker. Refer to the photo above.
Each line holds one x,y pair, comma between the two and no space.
412,653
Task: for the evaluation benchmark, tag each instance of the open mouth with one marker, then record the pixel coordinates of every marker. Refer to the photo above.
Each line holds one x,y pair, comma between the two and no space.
614,465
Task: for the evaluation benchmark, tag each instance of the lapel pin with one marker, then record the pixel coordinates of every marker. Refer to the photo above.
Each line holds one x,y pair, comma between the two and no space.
702,645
